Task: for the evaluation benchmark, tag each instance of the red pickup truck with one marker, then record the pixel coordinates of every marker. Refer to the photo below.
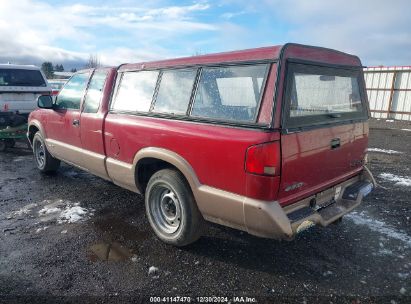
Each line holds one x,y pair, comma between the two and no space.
270,140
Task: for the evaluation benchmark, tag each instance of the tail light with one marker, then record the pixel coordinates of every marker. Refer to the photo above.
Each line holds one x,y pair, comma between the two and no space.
264,159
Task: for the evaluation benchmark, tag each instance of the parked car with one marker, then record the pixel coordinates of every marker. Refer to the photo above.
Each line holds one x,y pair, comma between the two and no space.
20,86
56,85
270,140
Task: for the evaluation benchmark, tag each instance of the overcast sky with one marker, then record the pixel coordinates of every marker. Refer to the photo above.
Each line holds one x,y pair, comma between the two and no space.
67,32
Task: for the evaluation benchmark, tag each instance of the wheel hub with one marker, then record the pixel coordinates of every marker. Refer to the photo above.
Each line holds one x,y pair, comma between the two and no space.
166,209
39,152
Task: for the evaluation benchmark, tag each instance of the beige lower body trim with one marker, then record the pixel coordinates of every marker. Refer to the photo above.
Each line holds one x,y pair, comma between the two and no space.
265,219
122,174
84,159
269,219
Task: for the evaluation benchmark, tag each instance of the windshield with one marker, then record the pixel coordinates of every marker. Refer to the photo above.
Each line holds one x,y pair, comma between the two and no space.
20,77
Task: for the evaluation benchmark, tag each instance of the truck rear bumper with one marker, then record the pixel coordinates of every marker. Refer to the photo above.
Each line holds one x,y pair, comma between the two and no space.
322,208
270,220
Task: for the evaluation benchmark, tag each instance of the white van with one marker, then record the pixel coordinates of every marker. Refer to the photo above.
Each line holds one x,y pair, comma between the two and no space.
20,85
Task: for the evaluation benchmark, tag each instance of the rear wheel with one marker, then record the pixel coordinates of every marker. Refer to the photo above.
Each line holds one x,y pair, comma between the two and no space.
43,159
171,208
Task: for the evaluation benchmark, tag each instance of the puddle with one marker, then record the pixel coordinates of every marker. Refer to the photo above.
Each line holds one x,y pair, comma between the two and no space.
116,228
109,252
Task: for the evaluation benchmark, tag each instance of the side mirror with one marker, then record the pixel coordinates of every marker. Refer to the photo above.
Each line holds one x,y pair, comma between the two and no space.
45,102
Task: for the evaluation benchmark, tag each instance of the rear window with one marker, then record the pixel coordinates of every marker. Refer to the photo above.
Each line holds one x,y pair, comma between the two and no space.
20,77
230,93
319,95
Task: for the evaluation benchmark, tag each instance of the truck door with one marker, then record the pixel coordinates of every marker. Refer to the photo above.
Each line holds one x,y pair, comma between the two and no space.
324,136
63,123
91,125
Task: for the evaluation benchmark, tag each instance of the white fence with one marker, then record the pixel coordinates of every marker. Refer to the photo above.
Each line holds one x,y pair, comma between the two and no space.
389,92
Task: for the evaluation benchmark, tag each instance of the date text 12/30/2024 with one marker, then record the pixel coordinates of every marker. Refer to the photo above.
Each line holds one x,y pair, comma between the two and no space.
212,299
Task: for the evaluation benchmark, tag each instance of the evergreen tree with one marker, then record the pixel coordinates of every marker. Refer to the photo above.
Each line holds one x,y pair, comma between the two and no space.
47,68
58,68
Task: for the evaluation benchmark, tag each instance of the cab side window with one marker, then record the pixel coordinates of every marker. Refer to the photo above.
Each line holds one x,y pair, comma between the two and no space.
135,91
94,92
175,90
71,94
230,93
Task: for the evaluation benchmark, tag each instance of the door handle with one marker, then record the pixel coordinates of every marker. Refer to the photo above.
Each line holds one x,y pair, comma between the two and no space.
76,122
335,143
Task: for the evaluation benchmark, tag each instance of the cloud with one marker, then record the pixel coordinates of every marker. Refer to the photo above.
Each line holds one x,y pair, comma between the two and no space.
34,31
231,15
378,31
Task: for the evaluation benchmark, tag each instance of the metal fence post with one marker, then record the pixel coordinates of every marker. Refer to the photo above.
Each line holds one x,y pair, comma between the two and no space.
390,110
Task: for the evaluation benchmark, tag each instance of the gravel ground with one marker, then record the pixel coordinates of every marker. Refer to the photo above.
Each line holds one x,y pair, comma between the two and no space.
74,237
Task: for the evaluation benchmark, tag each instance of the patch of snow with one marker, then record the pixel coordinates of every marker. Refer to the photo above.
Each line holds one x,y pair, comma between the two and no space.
379,227
409,130
404,275
385,252
378,150
153,271
72,214
46,210
390,120
19,159
64,232
25,210
38,230
403,290
63,211
399,180
134,259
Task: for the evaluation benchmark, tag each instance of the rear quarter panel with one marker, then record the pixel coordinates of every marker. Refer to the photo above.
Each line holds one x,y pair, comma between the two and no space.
216,153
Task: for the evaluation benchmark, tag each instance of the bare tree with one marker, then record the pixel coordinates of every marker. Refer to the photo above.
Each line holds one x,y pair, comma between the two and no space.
93,62
198,53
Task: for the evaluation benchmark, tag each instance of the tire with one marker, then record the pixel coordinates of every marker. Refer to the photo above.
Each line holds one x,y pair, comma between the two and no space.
43,159
10,143
3,145
171,209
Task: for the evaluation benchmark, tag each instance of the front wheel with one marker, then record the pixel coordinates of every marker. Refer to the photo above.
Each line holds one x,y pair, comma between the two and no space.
171,208
45,162
10,143
3,145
